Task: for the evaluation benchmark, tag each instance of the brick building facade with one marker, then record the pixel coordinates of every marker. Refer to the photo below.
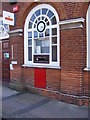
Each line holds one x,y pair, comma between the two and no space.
58,74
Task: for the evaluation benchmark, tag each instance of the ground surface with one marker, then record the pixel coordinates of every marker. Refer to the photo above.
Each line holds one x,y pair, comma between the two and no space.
26,105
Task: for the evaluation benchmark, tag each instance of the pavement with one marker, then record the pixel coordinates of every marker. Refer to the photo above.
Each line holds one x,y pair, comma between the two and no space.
27,105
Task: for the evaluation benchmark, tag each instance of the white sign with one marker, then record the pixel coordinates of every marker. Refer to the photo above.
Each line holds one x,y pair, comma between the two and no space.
8,18
11,67
14,62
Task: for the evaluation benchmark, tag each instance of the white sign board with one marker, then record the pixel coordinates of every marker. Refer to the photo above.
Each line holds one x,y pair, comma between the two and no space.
11,67
8,18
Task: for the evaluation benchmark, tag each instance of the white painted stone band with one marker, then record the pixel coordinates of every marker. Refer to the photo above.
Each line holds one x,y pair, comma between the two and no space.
76,21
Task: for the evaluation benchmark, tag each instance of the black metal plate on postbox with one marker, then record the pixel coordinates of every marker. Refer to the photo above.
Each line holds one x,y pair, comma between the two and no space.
41,59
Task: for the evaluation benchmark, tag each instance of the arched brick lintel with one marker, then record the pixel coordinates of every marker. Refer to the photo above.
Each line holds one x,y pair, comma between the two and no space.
58,7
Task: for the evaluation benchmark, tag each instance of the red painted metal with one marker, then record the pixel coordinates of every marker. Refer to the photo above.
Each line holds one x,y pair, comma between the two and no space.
15,8
40,77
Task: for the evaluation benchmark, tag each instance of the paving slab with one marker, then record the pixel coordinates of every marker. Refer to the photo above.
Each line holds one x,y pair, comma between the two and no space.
27,105
57,109
8,92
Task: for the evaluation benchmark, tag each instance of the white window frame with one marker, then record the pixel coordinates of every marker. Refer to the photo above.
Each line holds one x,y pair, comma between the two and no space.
30,63
88,39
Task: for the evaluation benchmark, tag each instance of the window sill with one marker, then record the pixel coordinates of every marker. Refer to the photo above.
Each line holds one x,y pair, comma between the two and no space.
86,69
41,66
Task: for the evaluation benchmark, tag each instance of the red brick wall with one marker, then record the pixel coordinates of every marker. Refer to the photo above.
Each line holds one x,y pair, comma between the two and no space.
18,52
86,83
71,61
71,79
28,74
0,8
18,45
53,79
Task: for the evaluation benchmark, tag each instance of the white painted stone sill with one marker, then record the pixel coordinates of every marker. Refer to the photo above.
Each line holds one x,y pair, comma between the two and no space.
42,66
86,69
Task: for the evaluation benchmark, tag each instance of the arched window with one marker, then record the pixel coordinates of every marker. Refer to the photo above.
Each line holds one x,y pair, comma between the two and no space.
41,37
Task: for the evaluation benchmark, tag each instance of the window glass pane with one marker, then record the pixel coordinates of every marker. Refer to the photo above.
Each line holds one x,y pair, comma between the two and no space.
53,20
6,55
29,53
44,11
30,25
50,14
47,32
34,26
30,42
37,44
39,19
35,34
29,34
32,18
45,46
42,18
54,40
41,35
37,13
54,31
46,49
54,53
42,46
36,21
47,23
46,20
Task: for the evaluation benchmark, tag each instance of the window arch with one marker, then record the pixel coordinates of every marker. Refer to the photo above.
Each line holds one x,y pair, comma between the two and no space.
41,37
